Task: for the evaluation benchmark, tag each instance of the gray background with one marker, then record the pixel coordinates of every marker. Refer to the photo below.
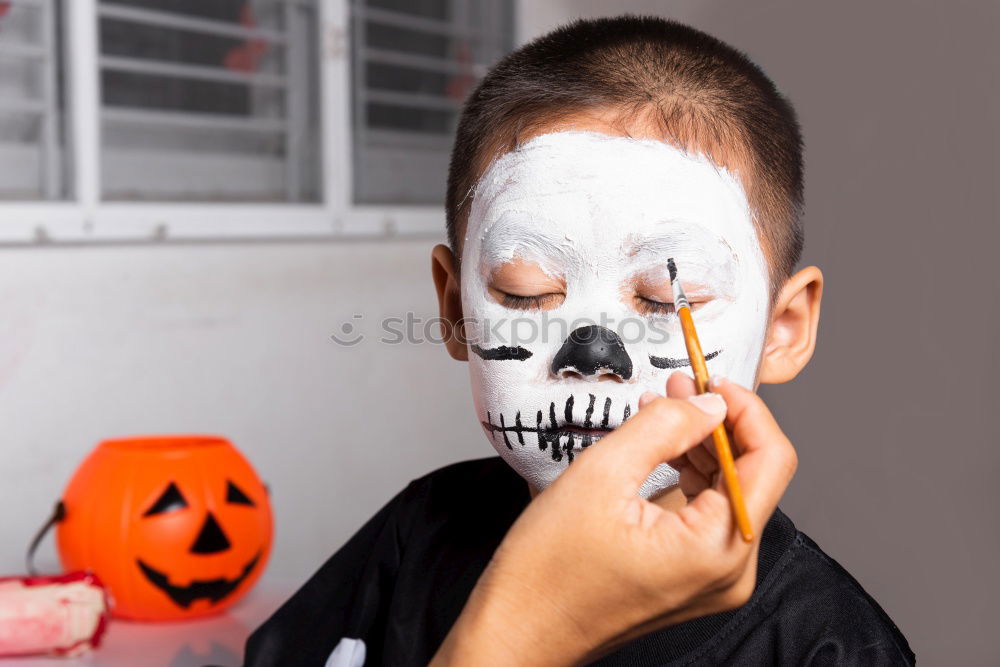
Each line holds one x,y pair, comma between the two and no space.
898,459
898,470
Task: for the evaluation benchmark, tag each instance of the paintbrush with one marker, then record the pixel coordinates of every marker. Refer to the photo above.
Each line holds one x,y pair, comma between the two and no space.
719,435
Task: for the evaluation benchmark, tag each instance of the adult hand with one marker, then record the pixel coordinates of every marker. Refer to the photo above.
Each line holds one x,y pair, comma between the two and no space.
590,565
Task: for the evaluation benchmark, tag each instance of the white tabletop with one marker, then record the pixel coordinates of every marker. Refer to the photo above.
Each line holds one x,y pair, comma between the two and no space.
212,640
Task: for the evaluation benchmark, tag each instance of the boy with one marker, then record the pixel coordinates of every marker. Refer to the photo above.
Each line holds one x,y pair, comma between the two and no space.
582,162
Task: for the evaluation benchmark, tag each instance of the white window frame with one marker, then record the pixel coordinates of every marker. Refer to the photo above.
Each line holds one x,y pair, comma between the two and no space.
84,218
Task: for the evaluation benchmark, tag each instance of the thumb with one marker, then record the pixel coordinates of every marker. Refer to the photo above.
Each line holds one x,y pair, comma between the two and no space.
662,429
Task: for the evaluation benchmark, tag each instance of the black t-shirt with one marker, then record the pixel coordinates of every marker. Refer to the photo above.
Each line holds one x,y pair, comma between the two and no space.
401,581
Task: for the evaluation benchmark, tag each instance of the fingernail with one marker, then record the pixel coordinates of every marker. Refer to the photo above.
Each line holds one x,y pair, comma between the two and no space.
717,380
711,404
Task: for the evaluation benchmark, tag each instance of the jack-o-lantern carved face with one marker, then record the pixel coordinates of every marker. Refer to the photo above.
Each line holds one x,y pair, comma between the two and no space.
184,525
211,539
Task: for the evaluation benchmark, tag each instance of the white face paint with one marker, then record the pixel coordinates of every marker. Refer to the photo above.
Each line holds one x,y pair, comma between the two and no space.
598,213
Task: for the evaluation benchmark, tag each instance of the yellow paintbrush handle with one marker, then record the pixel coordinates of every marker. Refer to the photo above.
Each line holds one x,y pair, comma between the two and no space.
719,435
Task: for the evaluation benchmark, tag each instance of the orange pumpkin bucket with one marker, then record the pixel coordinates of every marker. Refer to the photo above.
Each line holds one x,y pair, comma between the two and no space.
175,526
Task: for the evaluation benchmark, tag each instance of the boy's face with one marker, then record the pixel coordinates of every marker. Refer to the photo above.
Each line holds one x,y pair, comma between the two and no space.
567,298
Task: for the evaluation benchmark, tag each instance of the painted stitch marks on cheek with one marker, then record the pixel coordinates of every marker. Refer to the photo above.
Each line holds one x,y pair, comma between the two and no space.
558,436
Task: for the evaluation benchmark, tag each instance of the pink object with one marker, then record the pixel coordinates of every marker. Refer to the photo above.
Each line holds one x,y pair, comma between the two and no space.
63,614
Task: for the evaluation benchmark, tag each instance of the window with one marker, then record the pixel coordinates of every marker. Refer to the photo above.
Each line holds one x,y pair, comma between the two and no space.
32,138
209,101
414,63
147,120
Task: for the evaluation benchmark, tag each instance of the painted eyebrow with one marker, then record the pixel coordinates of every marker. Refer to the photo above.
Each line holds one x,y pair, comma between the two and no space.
673,237
516,233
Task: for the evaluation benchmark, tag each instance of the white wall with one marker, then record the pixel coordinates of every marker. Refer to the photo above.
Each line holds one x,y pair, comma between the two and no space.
99,342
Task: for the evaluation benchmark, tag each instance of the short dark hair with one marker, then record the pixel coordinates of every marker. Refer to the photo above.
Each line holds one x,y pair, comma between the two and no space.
703,94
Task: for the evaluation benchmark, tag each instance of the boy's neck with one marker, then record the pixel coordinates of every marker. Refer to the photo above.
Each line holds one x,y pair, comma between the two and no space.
669,499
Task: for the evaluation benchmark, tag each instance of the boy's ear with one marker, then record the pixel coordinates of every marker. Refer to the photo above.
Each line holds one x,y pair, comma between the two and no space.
445,271
791,337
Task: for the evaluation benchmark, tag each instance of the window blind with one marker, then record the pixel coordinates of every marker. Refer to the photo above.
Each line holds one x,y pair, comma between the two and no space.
209,100
31,122
413,64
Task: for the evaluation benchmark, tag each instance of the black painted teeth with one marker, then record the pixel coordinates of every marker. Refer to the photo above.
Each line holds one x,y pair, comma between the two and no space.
553,437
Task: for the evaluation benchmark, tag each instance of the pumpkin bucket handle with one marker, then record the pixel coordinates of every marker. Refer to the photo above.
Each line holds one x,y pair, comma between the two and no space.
58,514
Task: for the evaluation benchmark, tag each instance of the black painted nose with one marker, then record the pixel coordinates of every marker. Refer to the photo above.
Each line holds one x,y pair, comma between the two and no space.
211,539
593,350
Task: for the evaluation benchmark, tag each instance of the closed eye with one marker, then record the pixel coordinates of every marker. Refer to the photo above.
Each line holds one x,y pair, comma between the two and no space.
653,307
525,285
647,306
534,302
